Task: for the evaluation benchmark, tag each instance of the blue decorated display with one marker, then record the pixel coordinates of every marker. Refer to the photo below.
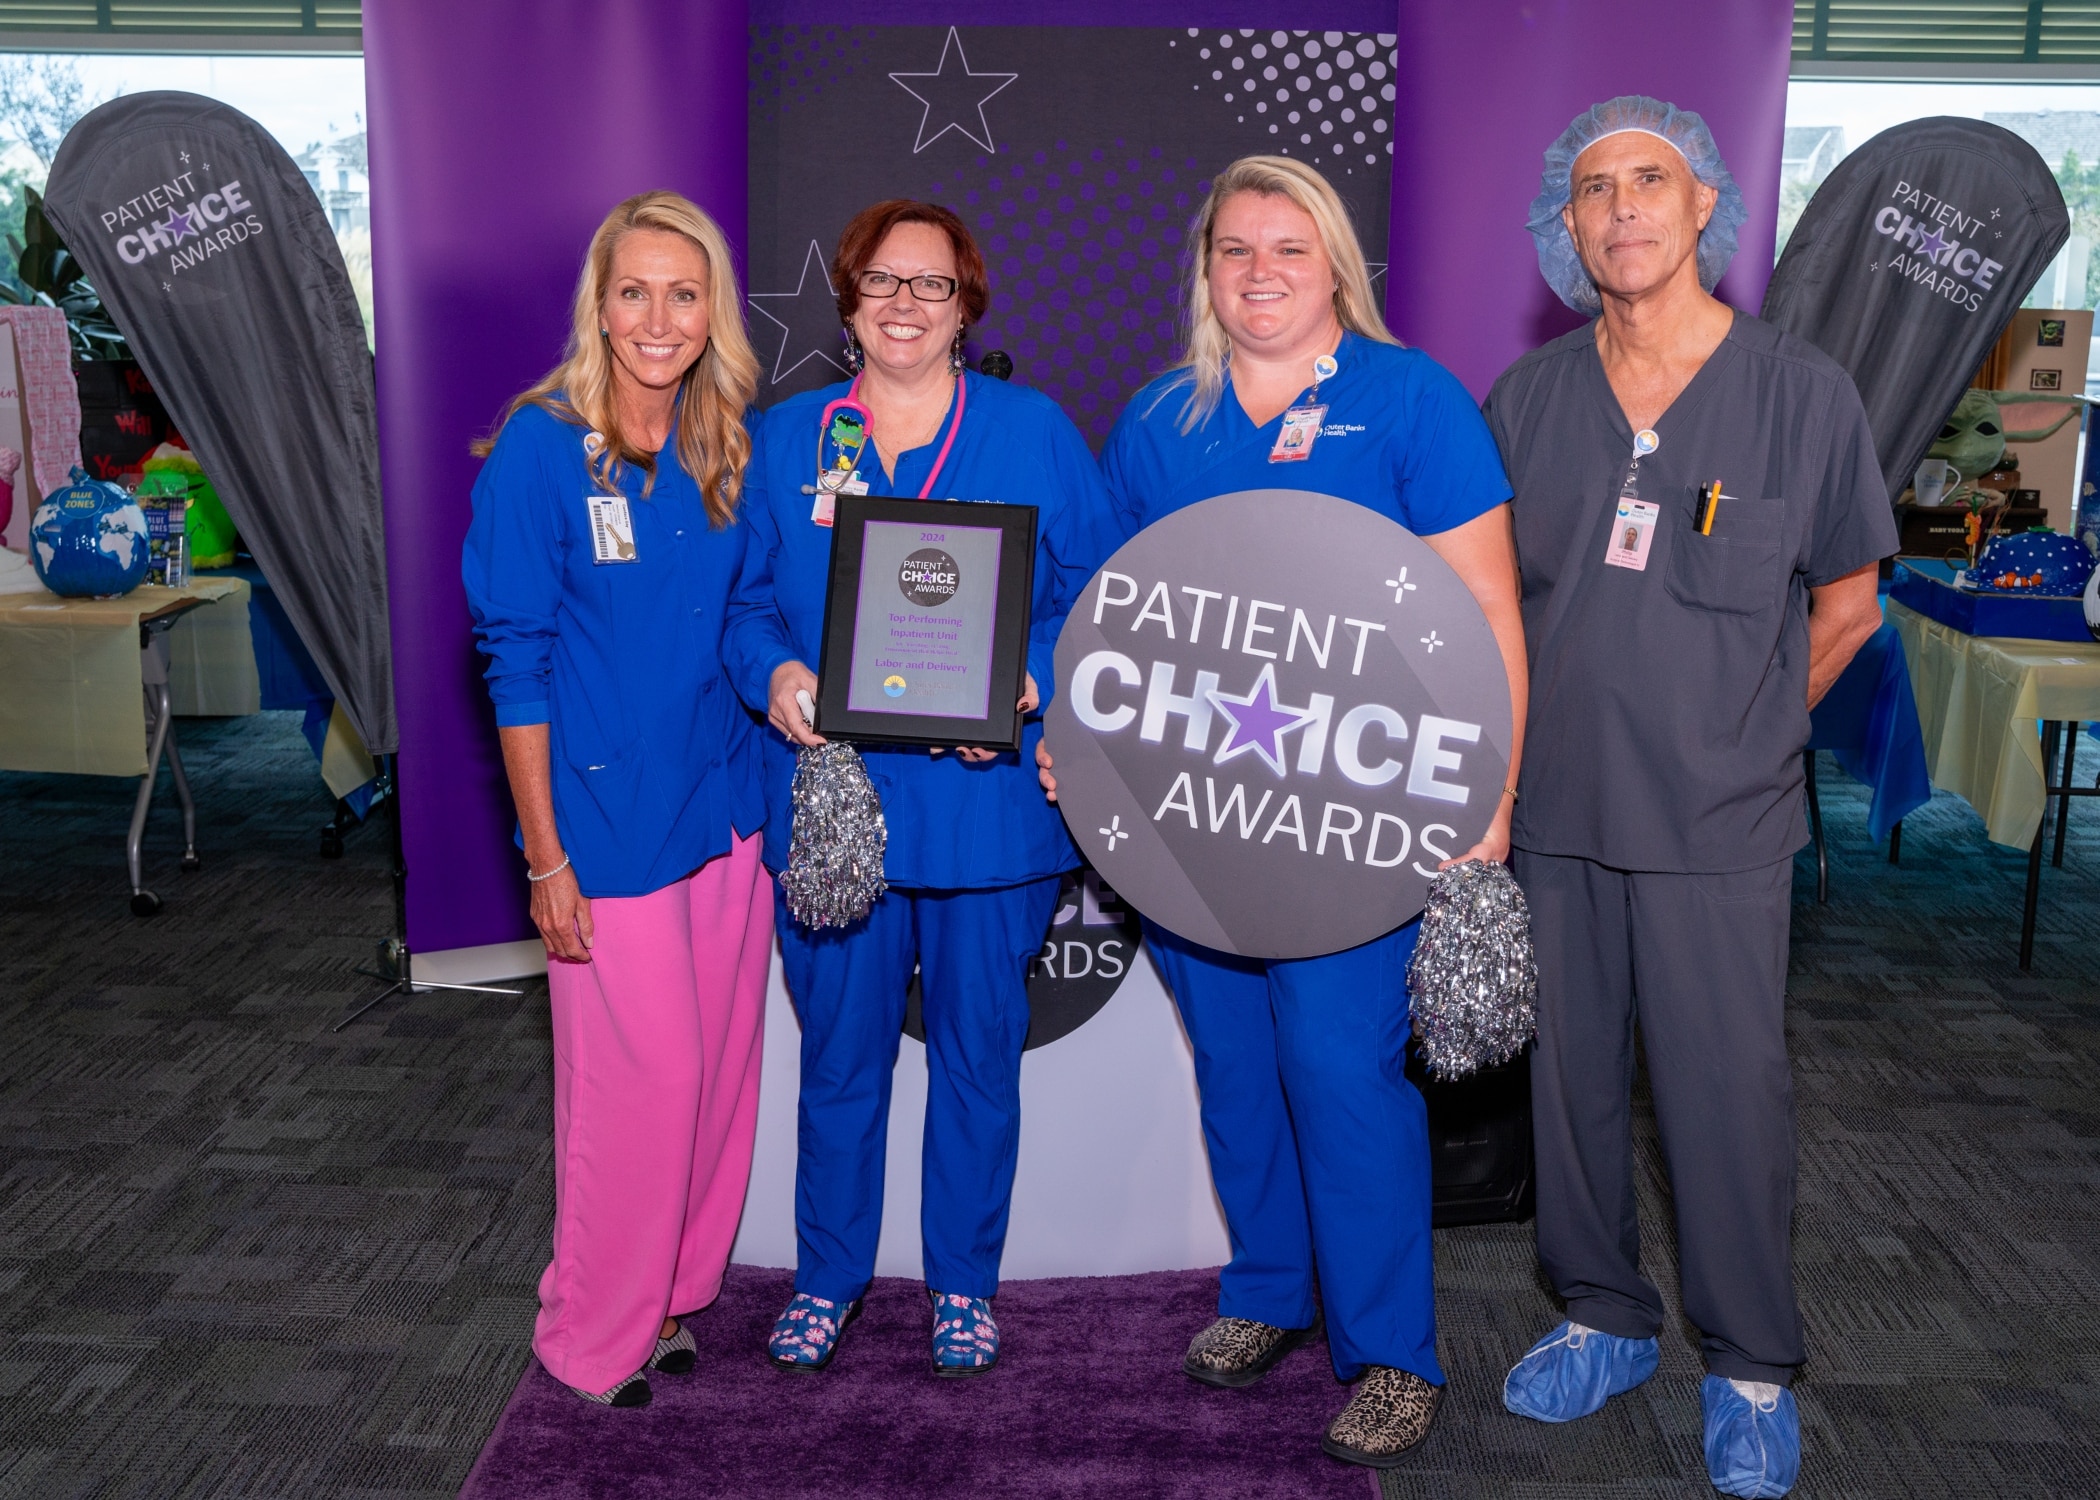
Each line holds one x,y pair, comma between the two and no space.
2036,562
89,540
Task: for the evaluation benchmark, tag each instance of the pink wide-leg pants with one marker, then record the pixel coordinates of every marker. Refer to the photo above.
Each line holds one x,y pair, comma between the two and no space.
656,1063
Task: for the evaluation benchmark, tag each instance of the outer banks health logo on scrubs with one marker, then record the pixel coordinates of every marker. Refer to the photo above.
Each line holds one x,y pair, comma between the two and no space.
1276,711
1092,943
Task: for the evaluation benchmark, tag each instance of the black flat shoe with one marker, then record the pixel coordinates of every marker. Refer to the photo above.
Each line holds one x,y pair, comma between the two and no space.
628,1394
1236,1352
675,1355
1390,1413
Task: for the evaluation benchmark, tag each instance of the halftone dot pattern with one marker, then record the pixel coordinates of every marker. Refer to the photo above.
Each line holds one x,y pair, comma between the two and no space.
1082,213
1083,246
798,62
1325,97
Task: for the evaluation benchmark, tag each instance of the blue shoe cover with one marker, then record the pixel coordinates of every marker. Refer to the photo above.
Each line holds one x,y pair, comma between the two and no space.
1573,1371
1753,1449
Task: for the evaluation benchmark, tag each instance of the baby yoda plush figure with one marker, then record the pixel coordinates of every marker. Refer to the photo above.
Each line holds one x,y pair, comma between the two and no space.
1974,437
1973,441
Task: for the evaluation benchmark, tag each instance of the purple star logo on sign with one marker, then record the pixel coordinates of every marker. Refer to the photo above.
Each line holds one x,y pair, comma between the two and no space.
180,226
1259,722
1934,245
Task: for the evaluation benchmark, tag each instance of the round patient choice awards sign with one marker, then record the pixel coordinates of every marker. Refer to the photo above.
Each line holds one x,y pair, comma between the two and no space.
1276,711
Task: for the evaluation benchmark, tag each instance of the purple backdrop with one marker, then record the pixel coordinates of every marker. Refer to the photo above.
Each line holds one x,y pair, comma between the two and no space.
1486,85
501,132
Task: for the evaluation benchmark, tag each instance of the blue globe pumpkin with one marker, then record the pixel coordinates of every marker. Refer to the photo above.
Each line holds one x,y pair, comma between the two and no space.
88,540
2062,561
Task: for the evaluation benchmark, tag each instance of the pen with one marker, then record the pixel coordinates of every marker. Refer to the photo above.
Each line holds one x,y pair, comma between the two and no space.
1713,505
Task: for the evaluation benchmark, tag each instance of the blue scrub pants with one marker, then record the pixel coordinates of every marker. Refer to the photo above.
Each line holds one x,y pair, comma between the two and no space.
1319,1145
972,949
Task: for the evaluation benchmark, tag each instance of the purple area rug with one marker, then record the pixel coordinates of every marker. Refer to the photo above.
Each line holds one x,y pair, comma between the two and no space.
1089,1401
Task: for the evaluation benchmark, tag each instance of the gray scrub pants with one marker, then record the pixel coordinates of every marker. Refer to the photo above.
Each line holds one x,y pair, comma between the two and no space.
1700,961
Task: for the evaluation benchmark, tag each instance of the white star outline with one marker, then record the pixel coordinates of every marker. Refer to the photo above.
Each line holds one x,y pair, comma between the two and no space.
814,257
954,45
1266,749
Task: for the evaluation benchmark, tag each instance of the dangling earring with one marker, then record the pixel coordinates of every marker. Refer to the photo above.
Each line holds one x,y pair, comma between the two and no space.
956,362
855,356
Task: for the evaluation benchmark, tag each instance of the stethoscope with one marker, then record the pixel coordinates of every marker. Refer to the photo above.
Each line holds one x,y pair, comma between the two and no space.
832,477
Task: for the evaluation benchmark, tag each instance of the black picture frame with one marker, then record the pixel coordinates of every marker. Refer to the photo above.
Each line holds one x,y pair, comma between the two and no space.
1000,728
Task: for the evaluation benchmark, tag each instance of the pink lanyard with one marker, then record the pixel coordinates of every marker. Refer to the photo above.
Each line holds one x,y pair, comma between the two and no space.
962,392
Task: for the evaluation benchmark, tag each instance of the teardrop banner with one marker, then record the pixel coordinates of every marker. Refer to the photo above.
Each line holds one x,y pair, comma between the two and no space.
1276,711
217,261
1908,263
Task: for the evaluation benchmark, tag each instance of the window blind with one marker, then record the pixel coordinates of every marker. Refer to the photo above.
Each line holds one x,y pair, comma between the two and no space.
1947,31
190,18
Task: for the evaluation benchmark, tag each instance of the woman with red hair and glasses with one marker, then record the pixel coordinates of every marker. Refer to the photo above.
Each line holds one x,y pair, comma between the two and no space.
974,852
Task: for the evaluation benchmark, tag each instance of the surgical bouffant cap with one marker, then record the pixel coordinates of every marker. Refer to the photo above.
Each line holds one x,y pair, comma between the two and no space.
1559,263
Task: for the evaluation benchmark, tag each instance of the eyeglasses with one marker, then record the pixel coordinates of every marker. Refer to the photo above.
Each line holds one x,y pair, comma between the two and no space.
927,288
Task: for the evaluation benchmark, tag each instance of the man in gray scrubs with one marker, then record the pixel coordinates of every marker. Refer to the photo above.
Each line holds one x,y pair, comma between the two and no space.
1699,513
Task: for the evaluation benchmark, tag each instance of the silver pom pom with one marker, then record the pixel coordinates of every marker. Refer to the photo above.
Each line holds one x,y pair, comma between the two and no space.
1473,981
834,871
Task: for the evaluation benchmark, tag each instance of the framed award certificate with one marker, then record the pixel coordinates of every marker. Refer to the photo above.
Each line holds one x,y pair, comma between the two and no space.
926,622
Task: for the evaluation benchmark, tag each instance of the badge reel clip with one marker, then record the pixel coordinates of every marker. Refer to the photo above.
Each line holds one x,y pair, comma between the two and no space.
1634,522
1301,424
612,524
842,435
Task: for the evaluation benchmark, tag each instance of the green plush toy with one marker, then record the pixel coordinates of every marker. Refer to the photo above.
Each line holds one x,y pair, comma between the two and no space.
170,471
1974,437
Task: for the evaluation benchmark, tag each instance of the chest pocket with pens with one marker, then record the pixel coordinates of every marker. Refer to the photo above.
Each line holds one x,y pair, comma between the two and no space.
1725,552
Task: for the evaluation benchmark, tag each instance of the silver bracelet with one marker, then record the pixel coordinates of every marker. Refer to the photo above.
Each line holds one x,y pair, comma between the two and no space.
536,879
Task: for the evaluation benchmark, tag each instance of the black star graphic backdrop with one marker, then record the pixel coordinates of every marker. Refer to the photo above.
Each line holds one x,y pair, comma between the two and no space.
1075,155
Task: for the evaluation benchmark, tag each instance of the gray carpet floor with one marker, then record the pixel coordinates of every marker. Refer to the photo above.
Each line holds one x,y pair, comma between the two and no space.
242,1257
1947,1234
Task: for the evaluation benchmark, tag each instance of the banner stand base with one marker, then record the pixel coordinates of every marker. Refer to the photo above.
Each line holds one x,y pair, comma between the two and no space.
401,982
396,962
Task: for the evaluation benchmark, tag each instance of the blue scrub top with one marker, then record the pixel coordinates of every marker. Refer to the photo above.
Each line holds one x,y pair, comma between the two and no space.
1401,436
653,759
952,825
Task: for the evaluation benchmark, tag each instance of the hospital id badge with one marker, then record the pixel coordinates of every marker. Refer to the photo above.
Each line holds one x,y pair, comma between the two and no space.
1301,429
827,501
612,529
1632,534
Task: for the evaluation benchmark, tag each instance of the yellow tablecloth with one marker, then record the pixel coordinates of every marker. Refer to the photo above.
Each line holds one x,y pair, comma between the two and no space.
1978,701
71,697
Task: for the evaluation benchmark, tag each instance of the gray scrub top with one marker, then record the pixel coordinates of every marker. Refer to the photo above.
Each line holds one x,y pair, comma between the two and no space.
1669,706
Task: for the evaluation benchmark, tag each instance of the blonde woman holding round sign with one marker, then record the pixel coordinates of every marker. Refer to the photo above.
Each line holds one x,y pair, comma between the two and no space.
1318,1143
